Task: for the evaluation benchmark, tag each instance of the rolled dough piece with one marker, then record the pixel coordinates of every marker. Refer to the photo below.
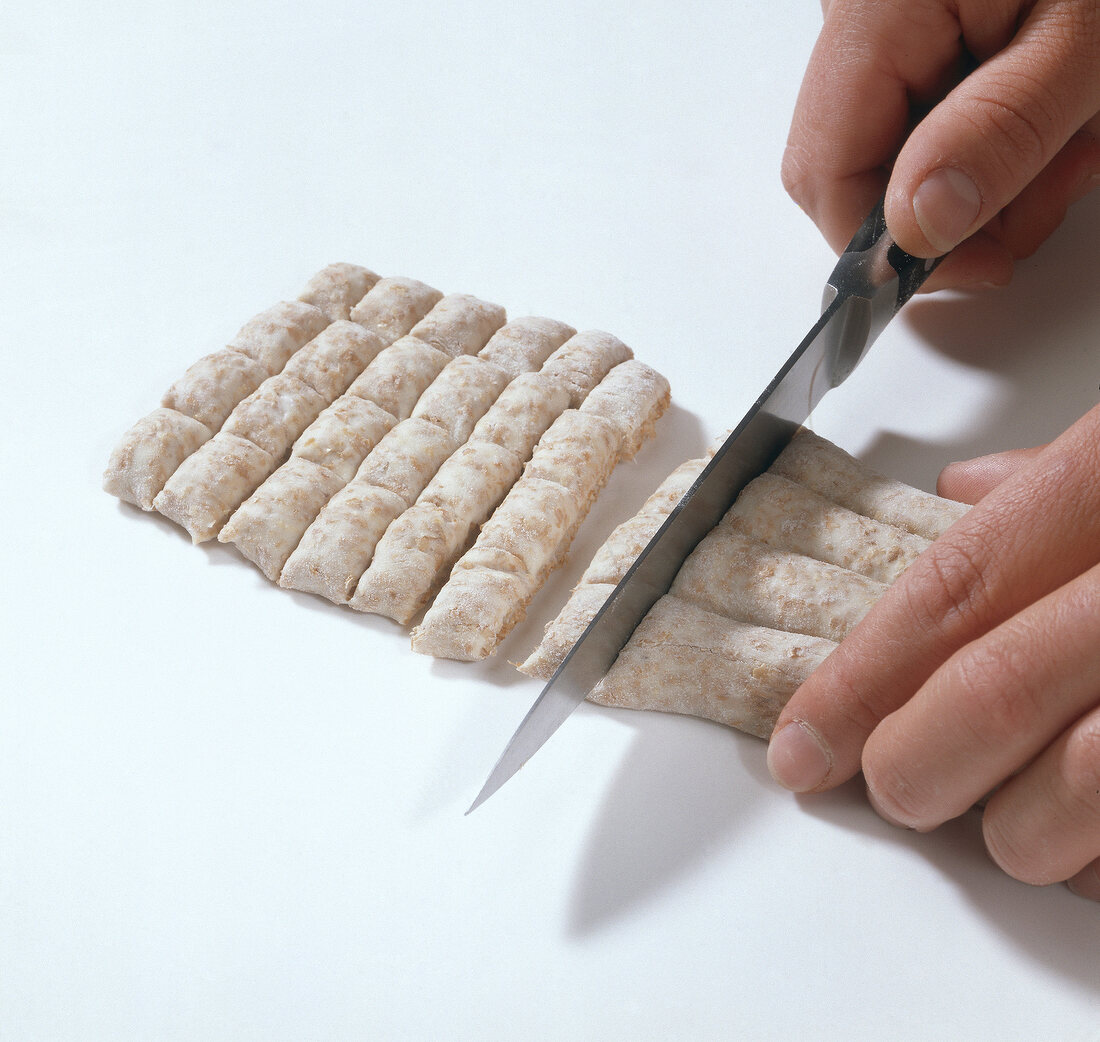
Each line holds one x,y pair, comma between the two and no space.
584,360
460,324
273,415
270,523
563,631
524,344
338,546
334,358
578,452
818,464
272,336
460,396
398,376
342,436
212,387
149,453
744,579
336,288
630,390
522,413
787,516
684,659
212,482
393,306
406,459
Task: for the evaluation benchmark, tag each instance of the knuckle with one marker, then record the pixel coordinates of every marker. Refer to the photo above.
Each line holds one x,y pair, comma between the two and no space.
951,585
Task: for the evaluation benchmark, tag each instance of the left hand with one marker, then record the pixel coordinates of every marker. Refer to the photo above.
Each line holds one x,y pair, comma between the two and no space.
978,671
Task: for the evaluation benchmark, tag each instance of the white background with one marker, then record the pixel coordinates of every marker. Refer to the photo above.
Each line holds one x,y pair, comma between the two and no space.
232,812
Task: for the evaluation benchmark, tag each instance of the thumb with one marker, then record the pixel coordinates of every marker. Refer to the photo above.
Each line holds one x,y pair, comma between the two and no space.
997,130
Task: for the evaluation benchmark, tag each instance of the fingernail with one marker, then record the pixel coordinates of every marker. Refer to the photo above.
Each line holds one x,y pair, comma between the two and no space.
798,759
945,205
882,813
1087,882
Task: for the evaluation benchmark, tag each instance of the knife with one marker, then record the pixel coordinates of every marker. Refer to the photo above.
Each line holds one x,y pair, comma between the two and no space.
873,278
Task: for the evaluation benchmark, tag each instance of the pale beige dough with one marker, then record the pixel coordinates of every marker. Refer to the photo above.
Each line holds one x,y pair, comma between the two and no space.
273,416
336,288
393,306
522,413
566,629
578,452
272,336
460,324
334,358
406,458
212,482
212,387
584,360
525,343
268,526
148,454
684,659
398,376
460,395
342,436
629,391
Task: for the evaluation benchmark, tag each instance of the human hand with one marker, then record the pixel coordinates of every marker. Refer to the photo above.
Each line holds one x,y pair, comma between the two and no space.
1000,153
978,671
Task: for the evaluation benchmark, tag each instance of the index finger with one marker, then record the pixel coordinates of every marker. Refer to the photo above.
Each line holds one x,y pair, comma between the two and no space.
1032,534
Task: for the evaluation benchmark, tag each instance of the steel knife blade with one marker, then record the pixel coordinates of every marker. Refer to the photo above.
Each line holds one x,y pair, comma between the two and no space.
873,278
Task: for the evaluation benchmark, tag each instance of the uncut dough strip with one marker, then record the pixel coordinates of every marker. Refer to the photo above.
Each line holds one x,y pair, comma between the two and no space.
535,524
196,405
684,659
269,525
413,557
787,516
328,560
608,566
825,468
272,417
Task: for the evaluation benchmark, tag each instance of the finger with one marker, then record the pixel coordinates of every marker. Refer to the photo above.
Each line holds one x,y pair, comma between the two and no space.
1035,532
1086,883
995,132
1043,826
994,706
970,480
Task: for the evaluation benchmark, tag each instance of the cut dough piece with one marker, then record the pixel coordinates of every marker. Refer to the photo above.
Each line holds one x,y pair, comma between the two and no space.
393,306
522,413
273,416
566,629
629,391
460,324
342,436
460,396
336,288
683,659
212,482
149,453
584,360
335,357
398,376
212,387
338,546
827,469
272,336
269,525
744,579
472,482
578,452
525,343
406,459
789,517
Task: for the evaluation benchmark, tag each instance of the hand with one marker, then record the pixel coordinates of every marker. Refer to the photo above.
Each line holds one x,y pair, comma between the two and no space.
979,671
1000,153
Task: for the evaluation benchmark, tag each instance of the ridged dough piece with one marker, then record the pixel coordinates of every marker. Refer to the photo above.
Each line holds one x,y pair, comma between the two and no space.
334,358
275,414
629,390
826,468
522,413
393,306
399,375
460,396
578,452
212,482
460,324
790,517
565,629
272,336
525,343
338,546
149,453
744,579
212,387
584,360
406,459
342,436
268,526
669,493
684,659
473,480
336,288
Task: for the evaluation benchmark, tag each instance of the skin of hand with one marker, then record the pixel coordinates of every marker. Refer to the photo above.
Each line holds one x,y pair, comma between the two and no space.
980,119
978,672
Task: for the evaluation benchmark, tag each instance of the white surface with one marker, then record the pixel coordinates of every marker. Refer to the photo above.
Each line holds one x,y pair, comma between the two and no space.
229,812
